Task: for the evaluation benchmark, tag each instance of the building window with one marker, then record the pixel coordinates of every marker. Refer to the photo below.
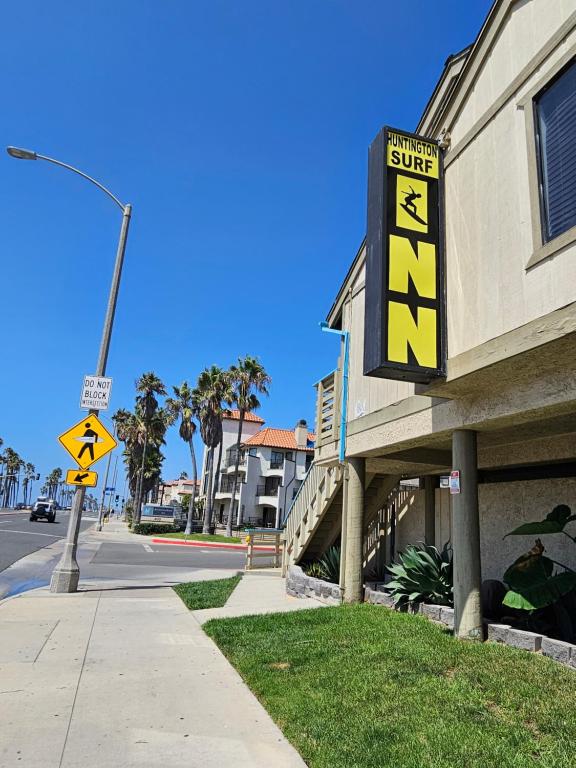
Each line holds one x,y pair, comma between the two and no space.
308,461
555,118
289,456
277,460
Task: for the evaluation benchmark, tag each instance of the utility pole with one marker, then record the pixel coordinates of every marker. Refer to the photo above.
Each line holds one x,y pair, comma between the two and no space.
67,573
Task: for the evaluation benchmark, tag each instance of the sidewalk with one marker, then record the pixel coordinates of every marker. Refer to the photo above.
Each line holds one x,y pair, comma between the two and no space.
126,678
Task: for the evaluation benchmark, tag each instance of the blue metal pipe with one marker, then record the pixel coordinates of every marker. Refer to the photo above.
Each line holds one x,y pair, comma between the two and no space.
344,405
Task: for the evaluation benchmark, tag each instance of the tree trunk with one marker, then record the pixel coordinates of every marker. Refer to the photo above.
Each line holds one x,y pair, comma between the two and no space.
188,530
235,484
217,479
140,486
208,507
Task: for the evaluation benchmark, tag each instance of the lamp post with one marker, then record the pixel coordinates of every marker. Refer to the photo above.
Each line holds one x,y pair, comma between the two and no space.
67,573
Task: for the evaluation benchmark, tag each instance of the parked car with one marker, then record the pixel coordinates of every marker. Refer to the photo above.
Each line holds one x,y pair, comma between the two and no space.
21,505
45,509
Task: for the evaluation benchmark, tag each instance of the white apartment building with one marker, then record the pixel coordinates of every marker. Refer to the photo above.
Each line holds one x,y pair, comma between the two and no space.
273,464
252,424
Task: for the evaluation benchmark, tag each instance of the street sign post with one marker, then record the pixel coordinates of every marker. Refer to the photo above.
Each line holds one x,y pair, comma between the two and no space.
95,393
88,441
78,477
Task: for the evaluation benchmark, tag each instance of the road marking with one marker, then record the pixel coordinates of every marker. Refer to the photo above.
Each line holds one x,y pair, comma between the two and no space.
147,547
33,533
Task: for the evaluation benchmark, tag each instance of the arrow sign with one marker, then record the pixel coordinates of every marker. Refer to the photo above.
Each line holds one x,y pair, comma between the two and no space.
77,477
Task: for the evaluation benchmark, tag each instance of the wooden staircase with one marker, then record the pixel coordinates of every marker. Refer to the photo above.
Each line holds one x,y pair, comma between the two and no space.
319,490
314,521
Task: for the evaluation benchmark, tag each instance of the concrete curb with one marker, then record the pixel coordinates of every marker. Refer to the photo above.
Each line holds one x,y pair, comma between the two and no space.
209,544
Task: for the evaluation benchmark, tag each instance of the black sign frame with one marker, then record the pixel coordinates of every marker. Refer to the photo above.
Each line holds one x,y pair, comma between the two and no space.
381,224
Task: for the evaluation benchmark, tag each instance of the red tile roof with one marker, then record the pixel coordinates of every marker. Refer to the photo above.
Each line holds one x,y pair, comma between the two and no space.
278,438
235,415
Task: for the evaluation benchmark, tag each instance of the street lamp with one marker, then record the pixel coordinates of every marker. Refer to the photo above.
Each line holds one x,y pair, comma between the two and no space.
67,573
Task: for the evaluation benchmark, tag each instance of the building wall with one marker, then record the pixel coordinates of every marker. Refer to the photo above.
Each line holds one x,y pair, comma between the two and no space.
489,237
229,438
489,218
503,507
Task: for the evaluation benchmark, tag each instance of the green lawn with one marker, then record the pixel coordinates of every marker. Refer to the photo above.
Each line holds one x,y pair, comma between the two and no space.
198,537
206,594
364,687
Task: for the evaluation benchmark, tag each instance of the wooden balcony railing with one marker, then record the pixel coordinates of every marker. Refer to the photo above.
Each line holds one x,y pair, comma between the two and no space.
328,404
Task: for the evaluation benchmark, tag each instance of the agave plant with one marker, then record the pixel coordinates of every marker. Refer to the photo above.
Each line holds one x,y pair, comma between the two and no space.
422,575
327,567
314,569
330,565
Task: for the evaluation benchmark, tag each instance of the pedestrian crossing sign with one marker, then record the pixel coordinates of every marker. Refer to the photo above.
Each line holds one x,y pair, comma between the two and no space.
88,441
78,477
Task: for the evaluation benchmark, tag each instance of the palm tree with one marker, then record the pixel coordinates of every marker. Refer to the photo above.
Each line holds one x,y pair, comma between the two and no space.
29,476
212,389
148,385
143,468
248,378
52,481
182,406
12,466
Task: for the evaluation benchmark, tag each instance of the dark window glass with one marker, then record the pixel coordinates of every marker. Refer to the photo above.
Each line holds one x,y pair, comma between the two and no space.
556,125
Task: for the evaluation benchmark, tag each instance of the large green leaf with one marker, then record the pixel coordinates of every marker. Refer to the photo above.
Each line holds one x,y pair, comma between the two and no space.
555,522
527,572
541,594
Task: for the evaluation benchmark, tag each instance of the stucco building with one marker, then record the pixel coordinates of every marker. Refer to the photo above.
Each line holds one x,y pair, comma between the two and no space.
272,465
504,413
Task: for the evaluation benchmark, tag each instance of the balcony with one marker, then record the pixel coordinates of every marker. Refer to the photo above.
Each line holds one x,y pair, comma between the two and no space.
227,485
267,490
230,460
328,402
276,463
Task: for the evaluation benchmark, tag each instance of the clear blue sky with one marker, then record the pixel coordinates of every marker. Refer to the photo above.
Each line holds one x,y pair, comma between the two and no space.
239,132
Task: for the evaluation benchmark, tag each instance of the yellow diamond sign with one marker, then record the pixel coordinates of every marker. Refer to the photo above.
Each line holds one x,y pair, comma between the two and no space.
88,441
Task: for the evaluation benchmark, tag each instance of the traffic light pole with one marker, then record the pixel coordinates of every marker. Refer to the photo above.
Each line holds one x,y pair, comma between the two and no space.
67,573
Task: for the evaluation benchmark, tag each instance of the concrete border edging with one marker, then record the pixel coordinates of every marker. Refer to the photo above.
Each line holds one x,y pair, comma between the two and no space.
560,651
298,584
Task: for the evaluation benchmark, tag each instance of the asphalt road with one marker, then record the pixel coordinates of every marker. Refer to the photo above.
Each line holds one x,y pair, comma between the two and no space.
19,537
147,556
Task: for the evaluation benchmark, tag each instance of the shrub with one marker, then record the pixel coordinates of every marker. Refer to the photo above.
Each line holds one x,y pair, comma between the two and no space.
422,575
147,529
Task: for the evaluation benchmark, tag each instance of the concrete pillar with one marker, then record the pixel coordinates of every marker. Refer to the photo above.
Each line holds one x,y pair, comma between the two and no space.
466,539
343,527
354,530
430,510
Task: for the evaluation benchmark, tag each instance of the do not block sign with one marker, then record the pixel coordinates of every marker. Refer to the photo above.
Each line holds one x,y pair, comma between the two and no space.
96,393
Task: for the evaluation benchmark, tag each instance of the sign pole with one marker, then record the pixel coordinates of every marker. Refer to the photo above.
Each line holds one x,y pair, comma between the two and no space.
67,573
103,499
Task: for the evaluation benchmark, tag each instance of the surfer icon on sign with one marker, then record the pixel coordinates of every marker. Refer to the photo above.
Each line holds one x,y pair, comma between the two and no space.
88,438
410,206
